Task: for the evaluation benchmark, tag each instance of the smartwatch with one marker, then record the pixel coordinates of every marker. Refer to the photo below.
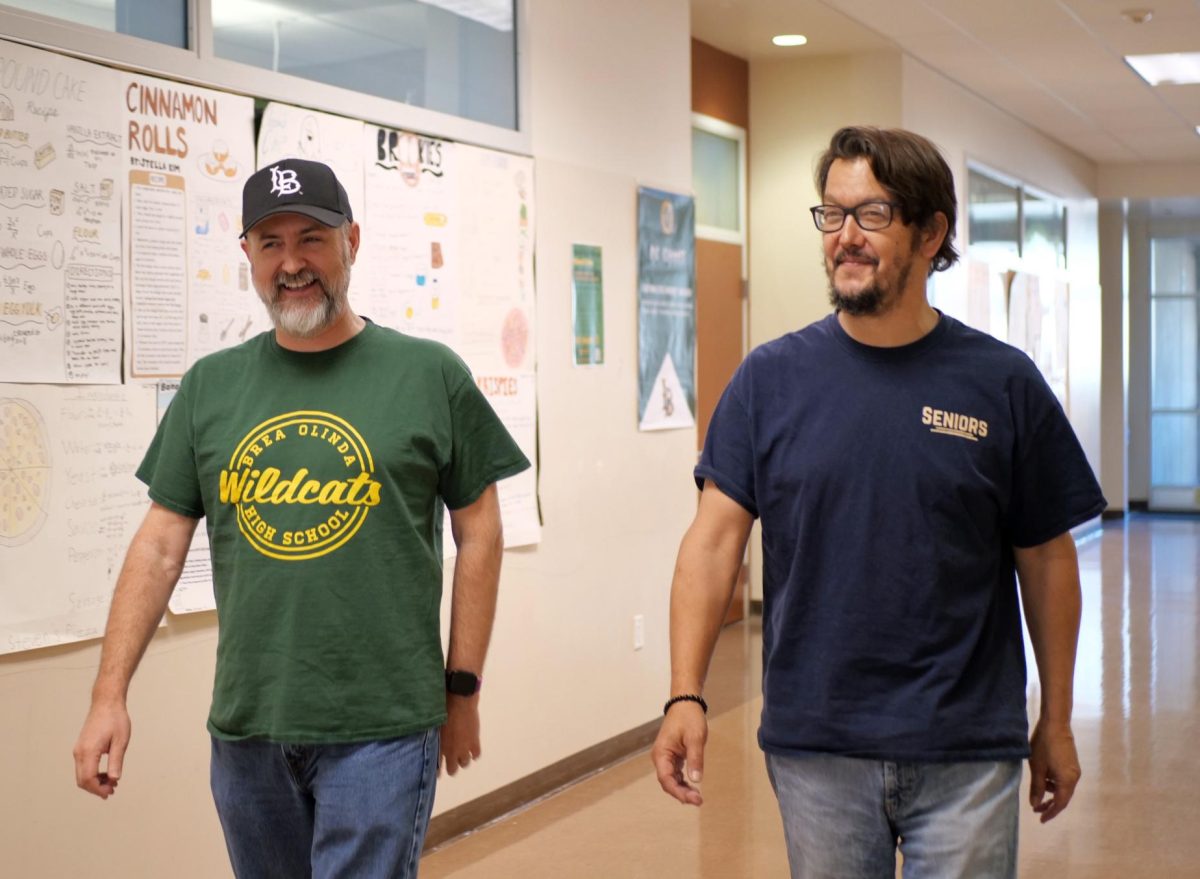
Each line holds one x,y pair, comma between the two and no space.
462,683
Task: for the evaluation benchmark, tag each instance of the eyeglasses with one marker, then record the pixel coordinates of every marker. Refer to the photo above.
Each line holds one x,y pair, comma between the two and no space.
871,216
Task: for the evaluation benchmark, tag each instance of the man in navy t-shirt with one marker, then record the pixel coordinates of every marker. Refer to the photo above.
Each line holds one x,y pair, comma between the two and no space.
907,471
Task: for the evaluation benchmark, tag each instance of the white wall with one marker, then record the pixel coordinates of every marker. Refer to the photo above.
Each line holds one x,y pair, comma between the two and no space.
1113,430
610,101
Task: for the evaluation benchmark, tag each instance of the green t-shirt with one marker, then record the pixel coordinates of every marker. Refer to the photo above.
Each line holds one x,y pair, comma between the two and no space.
322,477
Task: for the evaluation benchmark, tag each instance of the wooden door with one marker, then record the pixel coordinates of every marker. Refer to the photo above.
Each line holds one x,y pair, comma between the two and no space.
719,345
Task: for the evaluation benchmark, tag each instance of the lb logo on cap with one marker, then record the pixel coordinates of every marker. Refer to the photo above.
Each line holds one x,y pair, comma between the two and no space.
284,181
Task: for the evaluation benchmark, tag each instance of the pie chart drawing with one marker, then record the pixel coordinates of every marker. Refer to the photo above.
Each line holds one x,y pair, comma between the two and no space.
25,471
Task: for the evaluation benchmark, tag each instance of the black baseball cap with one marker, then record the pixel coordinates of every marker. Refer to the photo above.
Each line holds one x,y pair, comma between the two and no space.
294,186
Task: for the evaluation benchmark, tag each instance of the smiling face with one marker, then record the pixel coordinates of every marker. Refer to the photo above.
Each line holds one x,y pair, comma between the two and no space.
301,271
870,272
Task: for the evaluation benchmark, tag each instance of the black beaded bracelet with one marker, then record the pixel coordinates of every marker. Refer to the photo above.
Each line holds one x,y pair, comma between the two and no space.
686,697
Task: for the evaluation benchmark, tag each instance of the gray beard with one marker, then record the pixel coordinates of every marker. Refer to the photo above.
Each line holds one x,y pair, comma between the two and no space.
300,319
304,321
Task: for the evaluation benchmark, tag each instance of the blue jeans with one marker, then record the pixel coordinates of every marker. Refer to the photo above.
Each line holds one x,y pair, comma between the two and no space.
325,811
844,818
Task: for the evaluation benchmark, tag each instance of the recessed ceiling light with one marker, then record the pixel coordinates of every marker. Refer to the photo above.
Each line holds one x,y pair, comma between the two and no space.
1178,68
789,40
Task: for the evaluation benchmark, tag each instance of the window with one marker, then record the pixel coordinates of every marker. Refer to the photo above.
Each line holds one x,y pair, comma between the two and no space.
993,215
715,176
163,21
1174,369
454,56
445,67
1006,219
719,179
1043,238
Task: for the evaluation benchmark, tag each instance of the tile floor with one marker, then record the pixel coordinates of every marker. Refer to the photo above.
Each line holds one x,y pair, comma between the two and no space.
1136,814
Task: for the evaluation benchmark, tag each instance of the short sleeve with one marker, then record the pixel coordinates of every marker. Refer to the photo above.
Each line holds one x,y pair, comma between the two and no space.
481,449
1054,488
169,465
728,456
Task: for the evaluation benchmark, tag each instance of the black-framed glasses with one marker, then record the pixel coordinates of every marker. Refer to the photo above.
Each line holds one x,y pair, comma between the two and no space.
871,216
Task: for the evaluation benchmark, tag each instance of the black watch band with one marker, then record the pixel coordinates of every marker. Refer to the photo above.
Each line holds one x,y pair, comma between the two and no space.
462,683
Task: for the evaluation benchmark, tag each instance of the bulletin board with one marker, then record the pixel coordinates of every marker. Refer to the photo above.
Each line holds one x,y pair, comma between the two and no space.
120,203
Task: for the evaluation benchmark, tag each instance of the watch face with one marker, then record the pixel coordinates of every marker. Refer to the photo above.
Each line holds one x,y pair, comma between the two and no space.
461,683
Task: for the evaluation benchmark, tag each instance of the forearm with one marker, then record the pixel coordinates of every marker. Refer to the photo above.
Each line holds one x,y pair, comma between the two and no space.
1051,596
474,590
151,568
706,572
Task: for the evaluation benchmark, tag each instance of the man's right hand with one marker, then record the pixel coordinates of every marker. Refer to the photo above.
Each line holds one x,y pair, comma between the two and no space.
106,731
679,748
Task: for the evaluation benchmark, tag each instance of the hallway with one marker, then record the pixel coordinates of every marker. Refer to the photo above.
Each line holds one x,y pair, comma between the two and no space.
1137,723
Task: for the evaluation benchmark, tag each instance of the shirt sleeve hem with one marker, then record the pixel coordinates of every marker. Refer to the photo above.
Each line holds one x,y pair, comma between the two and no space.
501,473
1037,538
702,473
181,509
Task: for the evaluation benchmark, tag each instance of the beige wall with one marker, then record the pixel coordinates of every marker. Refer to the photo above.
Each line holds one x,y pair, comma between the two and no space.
794,108
611,110
1149,180
610,101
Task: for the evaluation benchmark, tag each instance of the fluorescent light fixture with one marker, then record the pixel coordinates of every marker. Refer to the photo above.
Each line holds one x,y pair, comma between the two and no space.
789,40
1177,68
1198,129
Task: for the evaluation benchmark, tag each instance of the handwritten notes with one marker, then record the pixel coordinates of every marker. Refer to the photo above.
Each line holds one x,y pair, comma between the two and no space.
69,505
188,152
60,234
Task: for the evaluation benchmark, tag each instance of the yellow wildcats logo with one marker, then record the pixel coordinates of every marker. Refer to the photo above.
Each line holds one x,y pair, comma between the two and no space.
302,485
953,424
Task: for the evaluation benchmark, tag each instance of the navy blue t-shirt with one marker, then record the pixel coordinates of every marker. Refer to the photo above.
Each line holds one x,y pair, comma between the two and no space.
892,485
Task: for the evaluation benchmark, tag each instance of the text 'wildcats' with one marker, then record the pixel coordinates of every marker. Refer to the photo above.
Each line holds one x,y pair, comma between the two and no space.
302,484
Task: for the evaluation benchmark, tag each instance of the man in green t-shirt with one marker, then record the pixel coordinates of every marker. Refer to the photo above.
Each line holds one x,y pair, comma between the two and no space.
320,456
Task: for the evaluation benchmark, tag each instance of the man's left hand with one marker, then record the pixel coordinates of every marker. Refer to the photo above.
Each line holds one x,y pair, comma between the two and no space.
1053,769
460,735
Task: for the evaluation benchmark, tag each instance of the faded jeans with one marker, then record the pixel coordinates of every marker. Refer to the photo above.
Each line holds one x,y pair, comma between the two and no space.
844,817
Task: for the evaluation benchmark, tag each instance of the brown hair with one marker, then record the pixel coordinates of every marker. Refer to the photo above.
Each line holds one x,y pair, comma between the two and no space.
909,167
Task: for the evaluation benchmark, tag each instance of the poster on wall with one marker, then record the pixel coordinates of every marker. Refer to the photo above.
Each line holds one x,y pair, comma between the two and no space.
194,590
69,505
189,151
497,309
666,310
587,304
427,203
406,274
295,132
60,232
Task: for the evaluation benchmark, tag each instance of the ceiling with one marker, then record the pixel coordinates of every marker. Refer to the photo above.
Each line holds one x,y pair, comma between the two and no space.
1054,64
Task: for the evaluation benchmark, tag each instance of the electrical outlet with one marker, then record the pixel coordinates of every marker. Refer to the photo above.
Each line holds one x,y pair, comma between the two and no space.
639,631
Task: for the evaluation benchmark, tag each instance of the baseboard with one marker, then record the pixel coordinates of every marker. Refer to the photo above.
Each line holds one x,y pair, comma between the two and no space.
478,812
756,607
1110,515
1139,506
